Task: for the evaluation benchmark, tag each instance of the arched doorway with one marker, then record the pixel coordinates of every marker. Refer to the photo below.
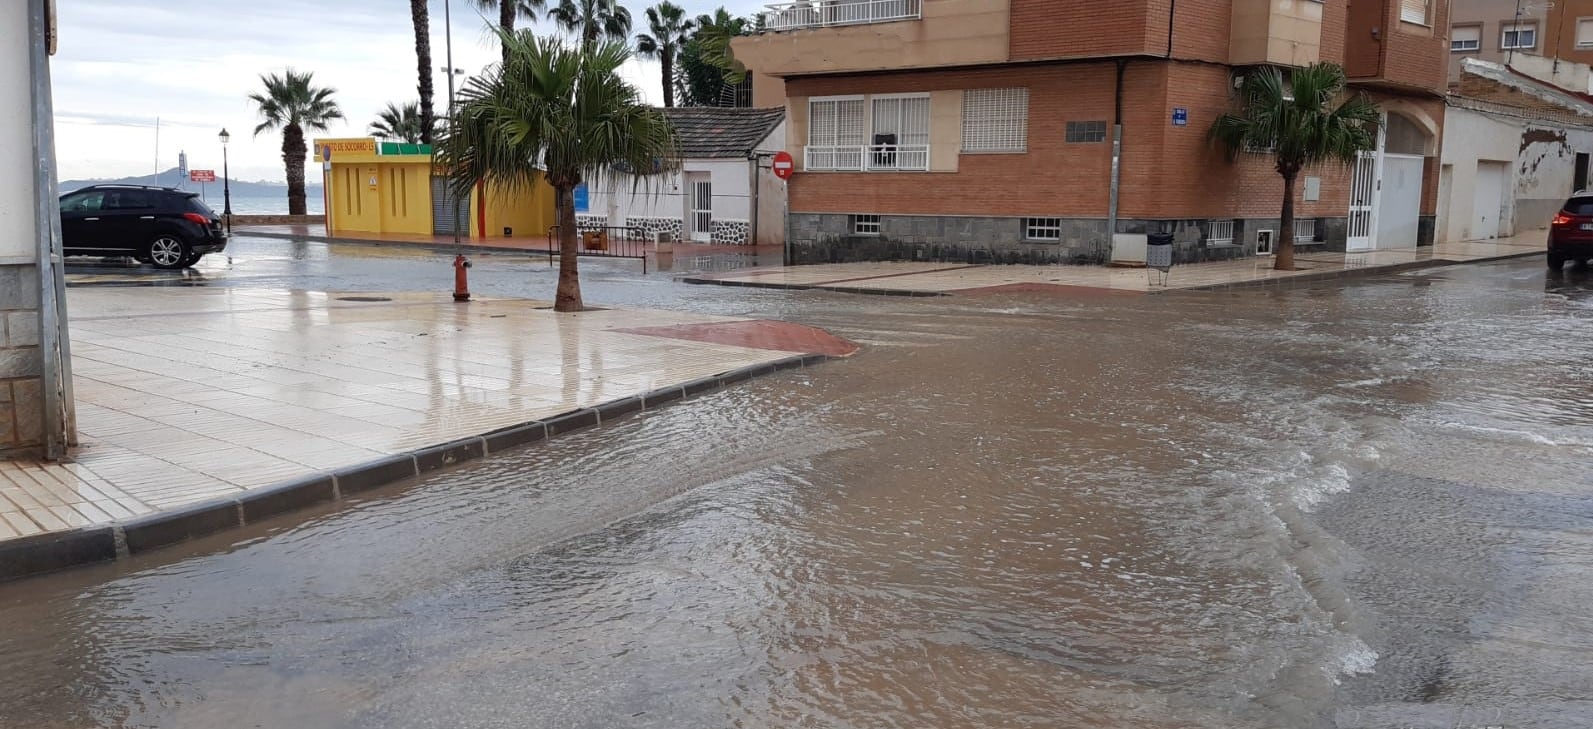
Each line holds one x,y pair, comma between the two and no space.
1386,187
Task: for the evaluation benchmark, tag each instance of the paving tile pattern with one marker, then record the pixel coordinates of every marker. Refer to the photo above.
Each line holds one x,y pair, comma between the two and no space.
188,395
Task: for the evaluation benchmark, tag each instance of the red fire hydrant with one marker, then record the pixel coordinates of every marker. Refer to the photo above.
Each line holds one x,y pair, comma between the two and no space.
461,279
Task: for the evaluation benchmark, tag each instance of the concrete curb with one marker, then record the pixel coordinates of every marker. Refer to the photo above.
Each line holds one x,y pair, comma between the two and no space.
811,287
42,553
1361,272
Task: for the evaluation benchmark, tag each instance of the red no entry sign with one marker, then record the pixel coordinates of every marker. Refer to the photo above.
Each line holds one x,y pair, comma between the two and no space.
783,165
201,175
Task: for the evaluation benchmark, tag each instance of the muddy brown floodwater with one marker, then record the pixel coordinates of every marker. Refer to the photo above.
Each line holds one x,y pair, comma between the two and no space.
1364,505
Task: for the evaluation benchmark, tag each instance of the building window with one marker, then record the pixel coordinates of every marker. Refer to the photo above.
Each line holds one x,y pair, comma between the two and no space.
1465,38
1042,228
1219,233
1305,231
1086,132
900,133
1514,36
835,134
1584,32
1415,11
865,224
995,120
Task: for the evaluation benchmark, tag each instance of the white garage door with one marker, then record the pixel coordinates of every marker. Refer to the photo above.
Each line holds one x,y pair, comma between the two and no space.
1488,200
1399,204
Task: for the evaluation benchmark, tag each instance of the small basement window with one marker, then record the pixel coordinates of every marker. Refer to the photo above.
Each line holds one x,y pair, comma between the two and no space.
865,224
1042,228
1086,132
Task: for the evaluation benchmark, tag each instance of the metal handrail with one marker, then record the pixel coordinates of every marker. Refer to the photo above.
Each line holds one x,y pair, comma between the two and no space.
867,157
810,14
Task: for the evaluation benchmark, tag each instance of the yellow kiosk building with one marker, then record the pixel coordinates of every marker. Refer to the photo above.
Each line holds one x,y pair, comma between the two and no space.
376,188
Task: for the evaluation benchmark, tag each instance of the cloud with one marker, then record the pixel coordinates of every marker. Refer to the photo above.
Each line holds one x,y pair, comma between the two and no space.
124,63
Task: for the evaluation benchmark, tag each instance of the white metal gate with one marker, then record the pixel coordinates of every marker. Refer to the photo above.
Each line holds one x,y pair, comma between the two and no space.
1488,200
448,216
1363,203
702,210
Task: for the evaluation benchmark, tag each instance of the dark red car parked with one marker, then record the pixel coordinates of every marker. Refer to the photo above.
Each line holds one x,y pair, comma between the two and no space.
1571,233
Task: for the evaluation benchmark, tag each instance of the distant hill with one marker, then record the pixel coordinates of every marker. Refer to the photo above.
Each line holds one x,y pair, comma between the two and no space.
170,178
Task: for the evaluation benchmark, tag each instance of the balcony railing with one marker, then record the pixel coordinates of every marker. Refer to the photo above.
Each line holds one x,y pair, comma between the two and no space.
864,158
821,13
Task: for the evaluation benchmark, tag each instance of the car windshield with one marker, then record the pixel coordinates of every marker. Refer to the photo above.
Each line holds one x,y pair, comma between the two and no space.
196,205
1579,206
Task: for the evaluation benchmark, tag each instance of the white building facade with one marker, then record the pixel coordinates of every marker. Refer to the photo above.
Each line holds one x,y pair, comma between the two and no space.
725,191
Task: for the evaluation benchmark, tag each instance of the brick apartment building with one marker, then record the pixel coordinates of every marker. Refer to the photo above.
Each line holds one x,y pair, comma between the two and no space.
931,128
1500,30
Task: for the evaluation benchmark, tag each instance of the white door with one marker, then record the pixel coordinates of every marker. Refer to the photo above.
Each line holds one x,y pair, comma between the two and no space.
701,213
1363,203
1399,202
1488,200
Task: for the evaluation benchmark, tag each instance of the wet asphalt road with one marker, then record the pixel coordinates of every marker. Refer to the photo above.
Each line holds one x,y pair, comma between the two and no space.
1363,505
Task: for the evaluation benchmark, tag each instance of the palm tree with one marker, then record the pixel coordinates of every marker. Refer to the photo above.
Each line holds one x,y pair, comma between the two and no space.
669,27
399,122
556,113
509,10
293,104
593,19
421,17
1306,121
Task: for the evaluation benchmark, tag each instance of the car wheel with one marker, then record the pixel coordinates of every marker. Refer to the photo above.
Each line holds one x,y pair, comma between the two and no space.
1556,261
168,252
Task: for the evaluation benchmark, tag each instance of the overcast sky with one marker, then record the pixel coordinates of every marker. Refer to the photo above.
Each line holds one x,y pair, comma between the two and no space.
193,63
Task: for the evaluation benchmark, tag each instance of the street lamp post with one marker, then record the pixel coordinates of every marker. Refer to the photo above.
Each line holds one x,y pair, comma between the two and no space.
226,182
448,46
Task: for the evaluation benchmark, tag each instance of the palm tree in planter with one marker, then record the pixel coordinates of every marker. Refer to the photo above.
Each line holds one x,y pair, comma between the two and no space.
399,122
669,31
557,113
292,103
1305,121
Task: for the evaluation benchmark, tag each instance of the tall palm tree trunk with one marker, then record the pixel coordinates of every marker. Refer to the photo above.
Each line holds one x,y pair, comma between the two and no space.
666,65
293,152
568,295
506,13
422,20
1285,240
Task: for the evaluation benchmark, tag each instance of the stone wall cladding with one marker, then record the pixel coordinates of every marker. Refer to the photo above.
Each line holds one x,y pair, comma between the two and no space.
828,238
649,226
591,222
730,232
21,383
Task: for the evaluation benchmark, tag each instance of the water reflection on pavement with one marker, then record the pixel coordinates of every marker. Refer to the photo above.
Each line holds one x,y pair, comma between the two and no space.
1359,505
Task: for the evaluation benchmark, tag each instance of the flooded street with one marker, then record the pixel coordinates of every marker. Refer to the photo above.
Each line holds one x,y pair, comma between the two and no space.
1366,504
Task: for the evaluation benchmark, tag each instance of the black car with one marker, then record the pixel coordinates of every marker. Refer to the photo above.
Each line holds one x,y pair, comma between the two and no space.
167,227
1571,232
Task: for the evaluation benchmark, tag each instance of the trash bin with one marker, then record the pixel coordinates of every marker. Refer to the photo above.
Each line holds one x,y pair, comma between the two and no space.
1159,251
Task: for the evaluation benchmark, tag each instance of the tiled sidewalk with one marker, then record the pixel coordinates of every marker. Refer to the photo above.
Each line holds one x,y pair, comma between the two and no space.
914,278
526,244
185,395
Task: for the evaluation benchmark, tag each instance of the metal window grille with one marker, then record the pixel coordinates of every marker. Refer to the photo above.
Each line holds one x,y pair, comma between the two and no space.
1518,35
1219,233
835,134
865,224
900,133
1414,11
995,120
1469,38
1042,228
1086,132
1305,230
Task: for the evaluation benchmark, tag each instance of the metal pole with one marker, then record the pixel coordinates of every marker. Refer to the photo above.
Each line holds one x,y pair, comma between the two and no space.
226,189
448,46
60,413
